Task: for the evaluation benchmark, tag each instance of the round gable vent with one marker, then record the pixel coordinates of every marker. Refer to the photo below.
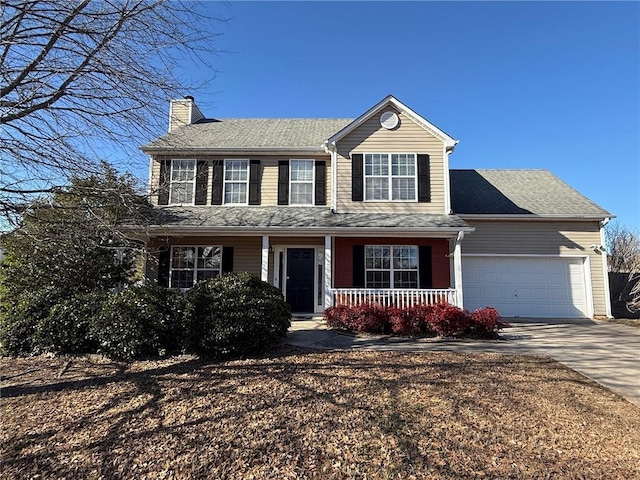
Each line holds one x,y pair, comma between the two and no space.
389,120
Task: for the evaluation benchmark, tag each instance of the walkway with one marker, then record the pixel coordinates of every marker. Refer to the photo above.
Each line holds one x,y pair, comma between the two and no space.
604,352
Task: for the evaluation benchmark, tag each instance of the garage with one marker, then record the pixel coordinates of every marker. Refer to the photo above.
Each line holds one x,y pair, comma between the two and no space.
526,286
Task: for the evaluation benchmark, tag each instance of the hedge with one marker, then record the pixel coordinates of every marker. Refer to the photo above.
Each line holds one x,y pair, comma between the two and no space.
231,315
421,320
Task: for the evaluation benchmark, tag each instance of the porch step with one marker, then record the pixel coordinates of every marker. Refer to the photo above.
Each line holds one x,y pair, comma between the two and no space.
306,316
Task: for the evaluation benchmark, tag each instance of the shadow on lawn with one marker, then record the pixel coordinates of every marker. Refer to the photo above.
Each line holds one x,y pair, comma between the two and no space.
209,419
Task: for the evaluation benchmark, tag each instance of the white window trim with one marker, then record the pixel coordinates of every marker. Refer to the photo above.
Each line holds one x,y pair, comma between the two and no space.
389,176
313,181
171,182
195,263
391,269
224,181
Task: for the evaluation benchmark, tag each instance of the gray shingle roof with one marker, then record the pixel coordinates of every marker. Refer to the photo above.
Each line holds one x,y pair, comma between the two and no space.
251,133
500,192
297,217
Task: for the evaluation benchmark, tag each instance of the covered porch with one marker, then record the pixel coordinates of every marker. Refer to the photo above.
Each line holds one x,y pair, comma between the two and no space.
353,270
315,257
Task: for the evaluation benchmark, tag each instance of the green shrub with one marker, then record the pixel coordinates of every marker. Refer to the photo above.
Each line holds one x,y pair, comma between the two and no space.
139,321
235,314
19,317
67,328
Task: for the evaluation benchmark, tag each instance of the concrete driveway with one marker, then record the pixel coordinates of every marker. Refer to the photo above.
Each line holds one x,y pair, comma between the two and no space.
604,352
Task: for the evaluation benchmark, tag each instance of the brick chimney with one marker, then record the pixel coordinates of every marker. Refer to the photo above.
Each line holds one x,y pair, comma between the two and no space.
183,111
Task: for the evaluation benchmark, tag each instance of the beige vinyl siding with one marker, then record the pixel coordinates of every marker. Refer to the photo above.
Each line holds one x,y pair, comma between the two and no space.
268,179
247,252
179,114
541,238
155,181
408,137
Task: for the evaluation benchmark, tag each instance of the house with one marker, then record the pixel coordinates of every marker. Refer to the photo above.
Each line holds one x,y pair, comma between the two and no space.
350,210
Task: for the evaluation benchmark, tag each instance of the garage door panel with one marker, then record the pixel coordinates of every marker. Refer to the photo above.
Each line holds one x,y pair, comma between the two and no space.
526,286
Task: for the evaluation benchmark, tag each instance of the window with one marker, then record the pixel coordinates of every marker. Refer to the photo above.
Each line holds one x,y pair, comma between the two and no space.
236,181
390,176
391,266
183,181
301,182
192,264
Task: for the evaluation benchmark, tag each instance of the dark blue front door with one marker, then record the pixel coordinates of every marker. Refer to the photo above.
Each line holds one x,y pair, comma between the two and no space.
300,279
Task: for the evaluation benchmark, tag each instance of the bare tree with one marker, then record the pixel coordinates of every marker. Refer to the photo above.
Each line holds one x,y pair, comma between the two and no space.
82,78
623,248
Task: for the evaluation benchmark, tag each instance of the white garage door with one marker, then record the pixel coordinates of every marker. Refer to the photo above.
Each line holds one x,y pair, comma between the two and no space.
526,286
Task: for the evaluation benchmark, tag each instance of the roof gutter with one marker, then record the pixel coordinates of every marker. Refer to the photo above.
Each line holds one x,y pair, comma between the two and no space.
434,232
533,217
232,150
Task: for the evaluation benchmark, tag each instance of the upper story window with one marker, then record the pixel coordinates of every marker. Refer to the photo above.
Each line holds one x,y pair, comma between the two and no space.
193,264
183,181
301,182
390,176
391,266
236,181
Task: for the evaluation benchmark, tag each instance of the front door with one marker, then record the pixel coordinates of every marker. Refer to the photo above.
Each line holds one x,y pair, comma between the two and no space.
300,279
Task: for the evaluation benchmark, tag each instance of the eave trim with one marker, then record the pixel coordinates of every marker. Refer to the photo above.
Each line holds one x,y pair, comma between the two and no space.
449,141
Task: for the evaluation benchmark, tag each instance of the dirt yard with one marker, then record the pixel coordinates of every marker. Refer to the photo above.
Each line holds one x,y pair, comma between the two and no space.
309,414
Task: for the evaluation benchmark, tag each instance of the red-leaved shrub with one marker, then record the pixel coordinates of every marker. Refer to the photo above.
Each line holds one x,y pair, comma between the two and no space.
338,317
370,318
449,320
404,321
420,320
486,321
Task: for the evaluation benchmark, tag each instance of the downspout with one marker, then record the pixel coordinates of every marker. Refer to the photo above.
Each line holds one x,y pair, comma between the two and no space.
150,178
446,151
605,270
457,270
331,148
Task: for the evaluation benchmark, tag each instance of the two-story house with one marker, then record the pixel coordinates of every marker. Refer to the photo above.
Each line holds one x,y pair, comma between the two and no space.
367,209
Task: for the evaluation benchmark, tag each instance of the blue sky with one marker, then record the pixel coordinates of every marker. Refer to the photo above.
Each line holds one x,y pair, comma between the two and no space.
547,85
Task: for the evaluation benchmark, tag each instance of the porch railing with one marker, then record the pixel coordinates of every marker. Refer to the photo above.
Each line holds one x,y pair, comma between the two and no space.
394,297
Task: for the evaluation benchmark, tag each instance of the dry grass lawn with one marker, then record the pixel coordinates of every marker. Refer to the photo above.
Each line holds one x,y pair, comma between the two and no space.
310,414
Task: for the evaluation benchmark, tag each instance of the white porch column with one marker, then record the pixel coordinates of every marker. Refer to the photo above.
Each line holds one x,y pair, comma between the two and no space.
264,272
457,269
328,296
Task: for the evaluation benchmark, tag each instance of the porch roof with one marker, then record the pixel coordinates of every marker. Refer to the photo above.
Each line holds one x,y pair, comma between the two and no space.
296,219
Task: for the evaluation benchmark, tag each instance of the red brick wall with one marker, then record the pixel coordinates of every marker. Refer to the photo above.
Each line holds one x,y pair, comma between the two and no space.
343,261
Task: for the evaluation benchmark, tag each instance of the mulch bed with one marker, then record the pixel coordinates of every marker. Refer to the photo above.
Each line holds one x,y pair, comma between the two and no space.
306,414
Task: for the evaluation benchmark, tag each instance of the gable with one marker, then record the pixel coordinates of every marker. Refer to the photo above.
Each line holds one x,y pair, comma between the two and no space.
407,136
393,104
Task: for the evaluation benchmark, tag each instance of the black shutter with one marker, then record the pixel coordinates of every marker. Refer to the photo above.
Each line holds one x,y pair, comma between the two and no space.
283,182
424,265
357,180
217,183
254,182
164,259
227,259
321,183
202,180
163,182
424,180
358,266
